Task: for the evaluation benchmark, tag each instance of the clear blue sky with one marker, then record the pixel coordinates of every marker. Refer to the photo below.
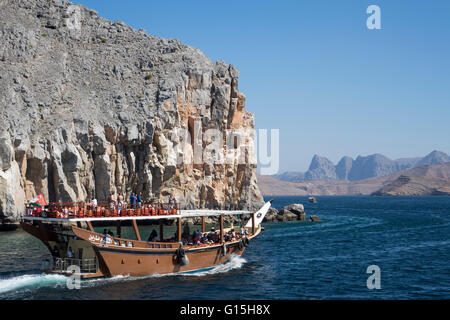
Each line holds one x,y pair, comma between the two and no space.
313,69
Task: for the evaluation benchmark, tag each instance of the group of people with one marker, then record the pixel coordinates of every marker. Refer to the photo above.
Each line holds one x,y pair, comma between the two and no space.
56,254
68,210
198,238
135,202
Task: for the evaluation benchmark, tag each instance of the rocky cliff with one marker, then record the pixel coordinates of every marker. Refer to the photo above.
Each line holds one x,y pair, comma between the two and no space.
90,107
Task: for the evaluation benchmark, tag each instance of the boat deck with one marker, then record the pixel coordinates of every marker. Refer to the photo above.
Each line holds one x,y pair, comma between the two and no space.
182,214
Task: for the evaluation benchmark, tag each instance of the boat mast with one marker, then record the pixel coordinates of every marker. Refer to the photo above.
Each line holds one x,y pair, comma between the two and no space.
136,230
179,230
253,223
221,228
161,229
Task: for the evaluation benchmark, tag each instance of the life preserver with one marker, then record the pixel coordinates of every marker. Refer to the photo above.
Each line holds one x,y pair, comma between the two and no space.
245,241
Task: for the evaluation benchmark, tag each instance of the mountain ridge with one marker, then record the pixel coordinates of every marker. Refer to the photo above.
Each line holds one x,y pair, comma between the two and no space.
361,168
271,186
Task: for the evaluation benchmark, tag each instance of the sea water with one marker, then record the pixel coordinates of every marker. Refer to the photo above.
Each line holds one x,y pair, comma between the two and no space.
407,238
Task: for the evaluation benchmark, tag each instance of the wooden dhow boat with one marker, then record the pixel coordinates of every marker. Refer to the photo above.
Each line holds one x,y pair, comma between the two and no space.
67,230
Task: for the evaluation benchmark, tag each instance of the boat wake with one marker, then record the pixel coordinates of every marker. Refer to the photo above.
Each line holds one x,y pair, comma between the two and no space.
235,262
35,281
30,281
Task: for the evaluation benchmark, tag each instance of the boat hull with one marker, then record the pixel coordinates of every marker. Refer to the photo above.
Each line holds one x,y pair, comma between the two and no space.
124,262
141,260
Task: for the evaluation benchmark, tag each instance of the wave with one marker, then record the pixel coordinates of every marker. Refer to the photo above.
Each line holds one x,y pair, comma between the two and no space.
235,262
33,281
30,280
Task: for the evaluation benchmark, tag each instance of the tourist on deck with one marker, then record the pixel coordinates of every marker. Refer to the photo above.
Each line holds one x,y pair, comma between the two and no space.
197,236
172,202
119,207
153,236
212,235
94,203
112,201
139,200
55,254
70,253
132,200
204,238
185,236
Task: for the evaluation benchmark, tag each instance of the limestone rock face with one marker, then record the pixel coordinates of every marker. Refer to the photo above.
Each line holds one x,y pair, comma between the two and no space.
90,107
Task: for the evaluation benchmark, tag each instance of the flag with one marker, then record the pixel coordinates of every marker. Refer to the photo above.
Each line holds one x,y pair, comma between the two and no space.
42,200
39,201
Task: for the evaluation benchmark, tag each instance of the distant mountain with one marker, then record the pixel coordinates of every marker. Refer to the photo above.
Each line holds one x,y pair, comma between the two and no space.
434,157
363,167
321,169
406,163
375,165
423,180
344,167
290,176
415,186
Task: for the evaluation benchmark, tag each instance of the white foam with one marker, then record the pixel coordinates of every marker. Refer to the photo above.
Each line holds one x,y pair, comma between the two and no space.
41,280
30,280
235,262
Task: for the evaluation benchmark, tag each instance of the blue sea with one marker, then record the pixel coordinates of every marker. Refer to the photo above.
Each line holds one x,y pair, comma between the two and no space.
407,238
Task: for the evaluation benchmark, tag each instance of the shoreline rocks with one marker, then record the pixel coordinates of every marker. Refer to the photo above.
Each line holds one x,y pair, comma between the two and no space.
293,212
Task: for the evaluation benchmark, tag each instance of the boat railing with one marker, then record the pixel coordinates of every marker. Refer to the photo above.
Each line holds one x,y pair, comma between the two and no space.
66,210
63,264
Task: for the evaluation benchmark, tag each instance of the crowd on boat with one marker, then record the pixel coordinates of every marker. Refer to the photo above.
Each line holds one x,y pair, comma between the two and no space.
198,238
111,208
